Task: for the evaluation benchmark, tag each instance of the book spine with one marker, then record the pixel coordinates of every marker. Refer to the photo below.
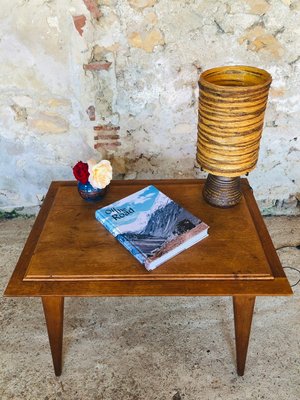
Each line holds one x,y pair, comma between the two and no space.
132,249
122,239
107,225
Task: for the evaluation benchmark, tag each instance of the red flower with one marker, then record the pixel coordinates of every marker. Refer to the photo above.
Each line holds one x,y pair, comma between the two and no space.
81,172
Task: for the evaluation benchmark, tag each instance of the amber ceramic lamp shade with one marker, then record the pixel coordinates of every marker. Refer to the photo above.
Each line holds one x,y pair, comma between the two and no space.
232,103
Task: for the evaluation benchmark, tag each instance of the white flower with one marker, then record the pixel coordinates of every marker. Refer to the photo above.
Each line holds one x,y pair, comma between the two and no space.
100,173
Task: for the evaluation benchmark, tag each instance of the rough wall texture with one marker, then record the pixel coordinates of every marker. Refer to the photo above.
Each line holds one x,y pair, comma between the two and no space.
118,79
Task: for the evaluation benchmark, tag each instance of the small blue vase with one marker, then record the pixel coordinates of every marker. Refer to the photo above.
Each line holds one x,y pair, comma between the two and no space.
89,193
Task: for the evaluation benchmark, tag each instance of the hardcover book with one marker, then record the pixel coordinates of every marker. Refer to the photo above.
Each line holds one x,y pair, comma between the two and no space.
152,226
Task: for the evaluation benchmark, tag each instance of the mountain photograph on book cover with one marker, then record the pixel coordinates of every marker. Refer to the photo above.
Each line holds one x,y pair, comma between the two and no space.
149,224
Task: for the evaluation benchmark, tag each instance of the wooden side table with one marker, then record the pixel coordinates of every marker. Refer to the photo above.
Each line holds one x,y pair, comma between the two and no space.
69,253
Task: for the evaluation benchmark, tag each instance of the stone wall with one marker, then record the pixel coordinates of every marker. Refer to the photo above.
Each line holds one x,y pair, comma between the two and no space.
118,79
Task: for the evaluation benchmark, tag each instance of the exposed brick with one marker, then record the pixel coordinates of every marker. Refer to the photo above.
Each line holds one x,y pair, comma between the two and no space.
97,66
91,113
108,146
105,137
92,6
106,128
79,22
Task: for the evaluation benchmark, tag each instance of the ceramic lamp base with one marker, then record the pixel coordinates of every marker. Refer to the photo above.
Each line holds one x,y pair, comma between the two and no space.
221,191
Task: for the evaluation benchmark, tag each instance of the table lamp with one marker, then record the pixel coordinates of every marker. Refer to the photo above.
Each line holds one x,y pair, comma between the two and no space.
232,103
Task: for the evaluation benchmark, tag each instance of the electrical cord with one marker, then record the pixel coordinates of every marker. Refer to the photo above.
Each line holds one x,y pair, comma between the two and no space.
294,269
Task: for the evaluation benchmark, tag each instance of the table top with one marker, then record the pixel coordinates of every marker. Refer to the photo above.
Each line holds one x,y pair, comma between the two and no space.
70,253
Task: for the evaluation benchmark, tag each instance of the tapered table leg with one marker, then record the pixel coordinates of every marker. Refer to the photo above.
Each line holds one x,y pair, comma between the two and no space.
54,314
243,311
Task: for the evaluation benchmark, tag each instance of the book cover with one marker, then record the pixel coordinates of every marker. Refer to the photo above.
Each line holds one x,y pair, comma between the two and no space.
151,226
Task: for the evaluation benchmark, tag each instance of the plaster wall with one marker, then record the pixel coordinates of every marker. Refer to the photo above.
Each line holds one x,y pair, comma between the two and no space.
117,79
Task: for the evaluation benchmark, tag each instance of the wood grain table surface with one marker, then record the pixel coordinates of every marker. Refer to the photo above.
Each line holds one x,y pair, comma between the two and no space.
69,253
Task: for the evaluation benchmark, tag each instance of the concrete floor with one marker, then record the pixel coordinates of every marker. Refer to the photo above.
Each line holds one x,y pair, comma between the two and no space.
150,348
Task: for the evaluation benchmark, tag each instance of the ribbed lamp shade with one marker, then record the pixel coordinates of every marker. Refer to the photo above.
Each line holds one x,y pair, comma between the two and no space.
232,103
